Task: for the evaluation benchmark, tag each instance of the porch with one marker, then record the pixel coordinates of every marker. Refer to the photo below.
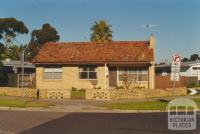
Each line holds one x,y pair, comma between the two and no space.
139,76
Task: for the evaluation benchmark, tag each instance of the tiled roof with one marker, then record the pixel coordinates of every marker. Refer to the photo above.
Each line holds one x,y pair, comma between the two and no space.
83,52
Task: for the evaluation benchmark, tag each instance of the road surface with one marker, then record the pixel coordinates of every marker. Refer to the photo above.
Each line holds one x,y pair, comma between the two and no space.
24,122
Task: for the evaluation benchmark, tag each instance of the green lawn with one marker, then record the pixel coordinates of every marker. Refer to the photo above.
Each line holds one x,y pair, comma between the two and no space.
19,103
78,94
146,105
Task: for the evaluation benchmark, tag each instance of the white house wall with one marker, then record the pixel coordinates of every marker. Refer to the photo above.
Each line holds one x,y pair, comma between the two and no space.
188,72
192,72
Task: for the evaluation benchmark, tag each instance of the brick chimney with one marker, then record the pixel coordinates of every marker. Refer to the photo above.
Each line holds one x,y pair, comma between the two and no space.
152,67
151,41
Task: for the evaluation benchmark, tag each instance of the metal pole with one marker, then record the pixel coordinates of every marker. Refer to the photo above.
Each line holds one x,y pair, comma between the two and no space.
105,69
22,76
23,72
147,31
23,69
173,89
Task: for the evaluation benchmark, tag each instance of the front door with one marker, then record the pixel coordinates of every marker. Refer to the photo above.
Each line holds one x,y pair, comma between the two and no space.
112,76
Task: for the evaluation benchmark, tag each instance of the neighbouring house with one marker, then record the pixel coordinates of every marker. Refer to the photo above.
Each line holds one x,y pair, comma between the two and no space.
12,71
87,65
188,69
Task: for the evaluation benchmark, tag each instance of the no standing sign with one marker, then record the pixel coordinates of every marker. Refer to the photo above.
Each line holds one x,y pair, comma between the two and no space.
175,69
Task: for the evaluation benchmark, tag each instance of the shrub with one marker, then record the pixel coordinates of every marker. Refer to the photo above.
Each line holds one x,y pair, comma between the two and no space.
192,85
74,88
119,87
98,87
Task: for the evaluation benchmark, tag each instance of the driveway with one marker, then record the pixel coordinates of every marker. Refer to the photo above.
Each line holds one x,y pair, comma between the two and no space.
72,105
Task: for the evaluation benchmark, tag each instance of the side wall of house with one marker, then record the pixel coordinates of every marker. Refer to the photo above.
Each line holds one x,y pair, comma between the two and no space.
70,78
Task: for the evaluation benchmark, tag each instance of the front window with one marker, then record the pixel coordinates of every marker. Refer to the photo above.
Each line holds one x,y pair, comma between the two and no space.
53,73
135,73
87,72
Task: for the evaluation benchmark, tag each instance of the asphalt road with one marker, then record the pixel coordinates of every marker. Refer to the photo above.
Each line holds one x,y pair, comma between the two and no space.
22,122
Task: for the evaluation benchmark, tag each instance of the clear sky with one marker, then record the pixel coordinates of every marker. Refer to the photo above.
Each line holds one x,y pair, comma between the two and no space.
178,20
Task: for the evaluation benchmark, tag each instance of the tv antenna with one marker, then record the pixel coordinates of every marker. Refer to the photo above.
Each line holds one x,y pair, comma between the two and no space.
147,27
85,38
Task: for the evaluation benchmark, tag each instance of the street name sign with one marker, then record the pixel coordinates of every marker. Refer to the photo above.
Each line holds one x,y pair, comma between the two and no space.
175,68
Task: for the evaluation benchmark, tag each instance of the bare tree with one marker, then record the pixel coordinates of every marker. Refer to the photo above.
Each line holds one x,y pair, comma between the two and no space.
128,80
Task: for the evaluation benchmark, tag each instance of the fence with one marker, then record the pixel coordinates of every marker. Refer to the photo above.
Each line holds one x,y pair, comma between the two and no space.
97,94
145,93
165,82
15,80
114,94
93,94
30,92
29,80
16,92
55,94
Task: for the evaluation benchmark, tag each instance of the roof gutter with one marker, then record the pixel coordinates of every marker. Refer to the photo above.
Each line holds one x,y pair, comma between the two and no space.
91,62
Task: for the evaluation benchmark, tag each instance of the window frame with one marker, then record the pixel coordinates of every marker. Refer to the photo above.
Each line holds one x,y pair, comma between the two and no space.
52,71
88,71
137,73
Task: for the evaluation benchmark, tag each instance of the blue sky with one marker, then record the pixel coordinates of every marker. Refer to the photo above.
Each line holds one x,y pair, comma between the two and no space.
178,20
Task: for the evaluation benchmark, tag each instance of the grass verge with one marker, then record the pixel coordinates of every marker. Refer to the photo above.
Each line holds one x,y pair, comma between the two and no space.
24,104
146,105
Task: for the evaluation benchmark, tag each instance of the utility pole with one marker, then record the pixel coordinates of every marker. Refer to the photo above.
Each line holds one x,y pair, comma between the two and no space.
22,65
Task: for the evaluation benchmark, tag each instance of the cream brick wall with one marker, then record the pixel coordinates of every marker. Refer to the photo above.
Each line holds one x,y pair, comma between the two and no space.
70,78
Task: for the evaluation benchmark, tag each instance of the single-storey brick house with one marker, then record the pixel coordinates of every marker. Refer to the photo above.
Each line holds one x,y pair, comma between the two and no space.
84,64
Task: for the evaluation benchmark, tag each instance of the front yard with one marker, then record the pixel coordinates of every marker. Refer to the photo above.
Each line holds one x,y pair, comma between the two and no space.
159,104
17,102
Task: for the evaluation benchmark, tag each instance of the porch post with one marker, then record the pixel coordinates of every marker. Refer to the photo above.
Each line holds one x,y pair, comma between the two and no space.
106,74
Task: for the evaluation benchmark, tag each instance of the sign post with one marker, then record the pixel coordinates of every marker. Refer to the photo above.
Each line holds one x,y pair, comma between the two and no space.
175,70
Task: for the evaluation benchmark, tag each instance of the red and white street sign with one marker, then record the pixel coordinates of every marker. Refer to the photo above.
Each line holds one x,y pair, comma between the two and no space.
175,68
176,58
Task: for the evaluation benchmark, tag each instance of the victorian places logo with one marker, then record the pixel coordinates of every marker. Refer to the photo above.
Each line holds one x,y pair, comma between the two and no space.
182,114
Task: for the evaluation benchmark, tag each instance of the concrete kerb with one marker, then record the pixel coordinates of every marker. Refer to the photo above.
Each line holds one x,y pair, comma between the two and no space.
82,110
85,110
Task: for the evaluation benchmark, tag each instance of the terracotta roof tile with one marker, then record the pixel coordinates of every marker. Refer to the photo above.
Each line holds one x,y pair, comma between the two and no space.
118,51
